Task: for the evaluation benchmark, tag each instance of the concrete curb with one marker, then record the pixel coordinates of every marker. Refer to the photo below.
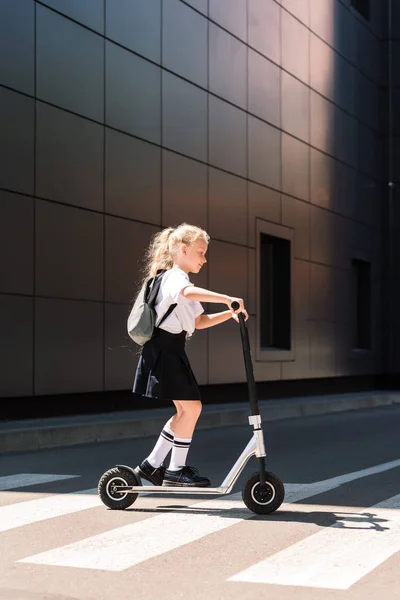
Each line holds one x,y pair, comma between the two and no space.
22,436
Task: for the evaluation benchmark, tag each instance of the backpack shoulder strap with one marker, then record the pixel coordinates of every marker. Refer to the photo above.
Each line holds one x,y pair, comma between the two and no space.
153,293
169,311
153,289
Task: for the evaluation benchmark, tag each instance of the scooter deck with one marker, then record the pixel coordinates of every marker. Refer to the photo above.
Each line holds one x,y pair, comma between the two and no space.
159,489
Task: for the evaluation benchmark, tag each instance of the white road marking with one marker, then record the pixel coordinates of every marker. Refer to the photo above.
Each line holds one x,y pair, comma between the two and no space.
336,557
32,511
127,546
10,482
118,549
319,487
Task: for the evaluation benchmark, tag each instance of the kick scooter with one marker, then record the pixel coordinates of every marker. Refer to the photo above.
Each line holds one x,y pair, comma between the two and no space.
262,493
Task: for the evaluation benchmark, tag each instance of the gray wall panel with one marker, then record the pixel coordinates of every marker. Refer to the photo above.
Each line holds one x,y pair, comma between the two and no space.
323,349
296,215
264,88
16,141
294,36
16,251
136,25
322,123
265,204
298,8
133,94
323,19
322,67
322,178
120,354
227,137
345,85
17,52
132,178
264,14
80,89
69,158
264,153
295,167
125,242
322,300
227,57
345,189
16,345
227,207
230,14
89,12
295,107
200,5
185,184
345,32
185,42
69,252
346,138
68,346
322,236
184,110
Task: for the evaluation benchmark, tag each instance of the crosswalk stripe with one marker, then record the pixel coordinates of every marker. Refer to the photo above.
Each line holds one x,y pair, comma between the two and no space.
337,557
32,511
130,545
118,549
10,482
319,487
127,546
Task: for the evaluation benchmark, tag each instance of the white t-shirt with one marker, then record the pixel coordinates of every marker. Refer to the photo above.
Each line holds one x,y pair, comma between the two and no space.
184,314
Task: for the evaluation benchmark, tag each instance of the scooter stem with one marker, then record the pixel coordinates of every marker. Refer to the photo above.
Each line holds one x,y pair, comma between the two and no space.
248,366
255,418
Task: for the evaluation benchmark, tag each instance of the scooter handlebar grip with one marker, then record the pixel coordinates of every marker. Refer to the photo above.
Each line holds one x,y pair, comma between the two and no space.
235,305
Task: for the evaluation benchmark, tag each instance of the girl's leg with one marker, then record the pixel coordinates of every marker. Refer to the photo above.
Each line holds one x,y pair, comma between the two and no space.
187,414
183,424
163,446
165,440
151,468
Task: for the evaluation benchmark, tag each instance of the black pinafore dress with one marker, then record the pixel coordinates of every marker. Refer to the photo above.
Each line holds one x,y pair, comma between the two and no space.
164,370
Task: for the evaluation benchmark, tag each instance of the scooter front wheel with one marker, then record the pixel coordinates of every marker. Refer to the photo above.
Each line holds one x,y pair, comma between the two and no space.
113,478
263,501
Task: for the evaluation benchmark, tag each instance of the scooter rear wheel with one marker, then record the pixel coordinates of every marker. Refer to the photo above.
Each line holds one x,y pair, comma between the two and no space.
267,501
117,476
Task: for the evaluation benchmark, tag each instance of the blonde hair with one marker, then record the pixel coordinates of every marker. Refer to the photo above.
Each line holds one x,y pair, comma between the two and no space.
164,246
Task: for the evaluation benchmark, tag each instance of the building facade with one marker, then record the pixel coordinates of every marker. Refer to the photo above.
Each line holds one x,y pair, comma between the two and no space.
272,124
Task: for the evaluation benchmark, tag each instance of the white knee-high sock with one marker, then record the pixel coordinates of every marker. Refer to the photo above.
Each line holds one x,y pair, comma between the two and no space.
180,449
162,447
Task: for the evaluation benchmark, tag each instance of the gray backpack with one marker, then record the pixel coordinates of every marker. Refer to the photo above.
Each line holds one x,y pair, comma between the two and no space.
142,319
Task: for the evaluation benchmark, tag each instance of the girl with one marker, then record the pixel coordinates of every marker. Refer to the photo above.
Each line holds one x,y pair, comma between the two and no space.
164,370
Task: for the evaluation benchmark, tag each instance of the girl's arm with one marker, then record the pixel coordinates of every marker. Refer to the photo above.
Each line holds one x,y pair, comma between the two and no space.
202,295
204,321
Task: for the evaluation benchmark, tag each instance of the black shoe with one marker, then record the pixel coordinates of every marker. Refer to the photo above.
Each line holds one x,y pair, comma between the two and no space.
146,471
187,476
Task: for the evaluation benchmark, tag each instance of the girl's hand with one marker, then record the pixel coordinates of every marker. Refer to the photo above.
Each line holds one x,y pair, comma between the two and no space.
241,309
235,316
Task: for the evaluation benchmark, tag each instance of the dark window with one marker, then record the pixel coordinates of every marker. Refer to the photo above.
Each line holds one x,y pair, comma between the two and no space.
361,304
275,322
362,6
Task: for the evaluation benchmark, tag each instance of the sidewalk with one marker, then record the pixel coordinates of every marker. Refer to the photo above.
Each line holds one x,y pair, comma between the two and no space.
35,434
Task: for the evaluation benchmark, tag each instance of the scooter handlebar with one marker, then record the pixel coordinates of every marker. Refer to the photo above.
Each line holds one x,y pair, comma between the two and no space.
235,305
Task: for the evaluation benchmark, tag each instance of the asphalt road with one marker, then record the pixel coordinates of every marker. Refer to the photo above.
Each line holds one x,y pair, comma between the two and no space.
337,535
